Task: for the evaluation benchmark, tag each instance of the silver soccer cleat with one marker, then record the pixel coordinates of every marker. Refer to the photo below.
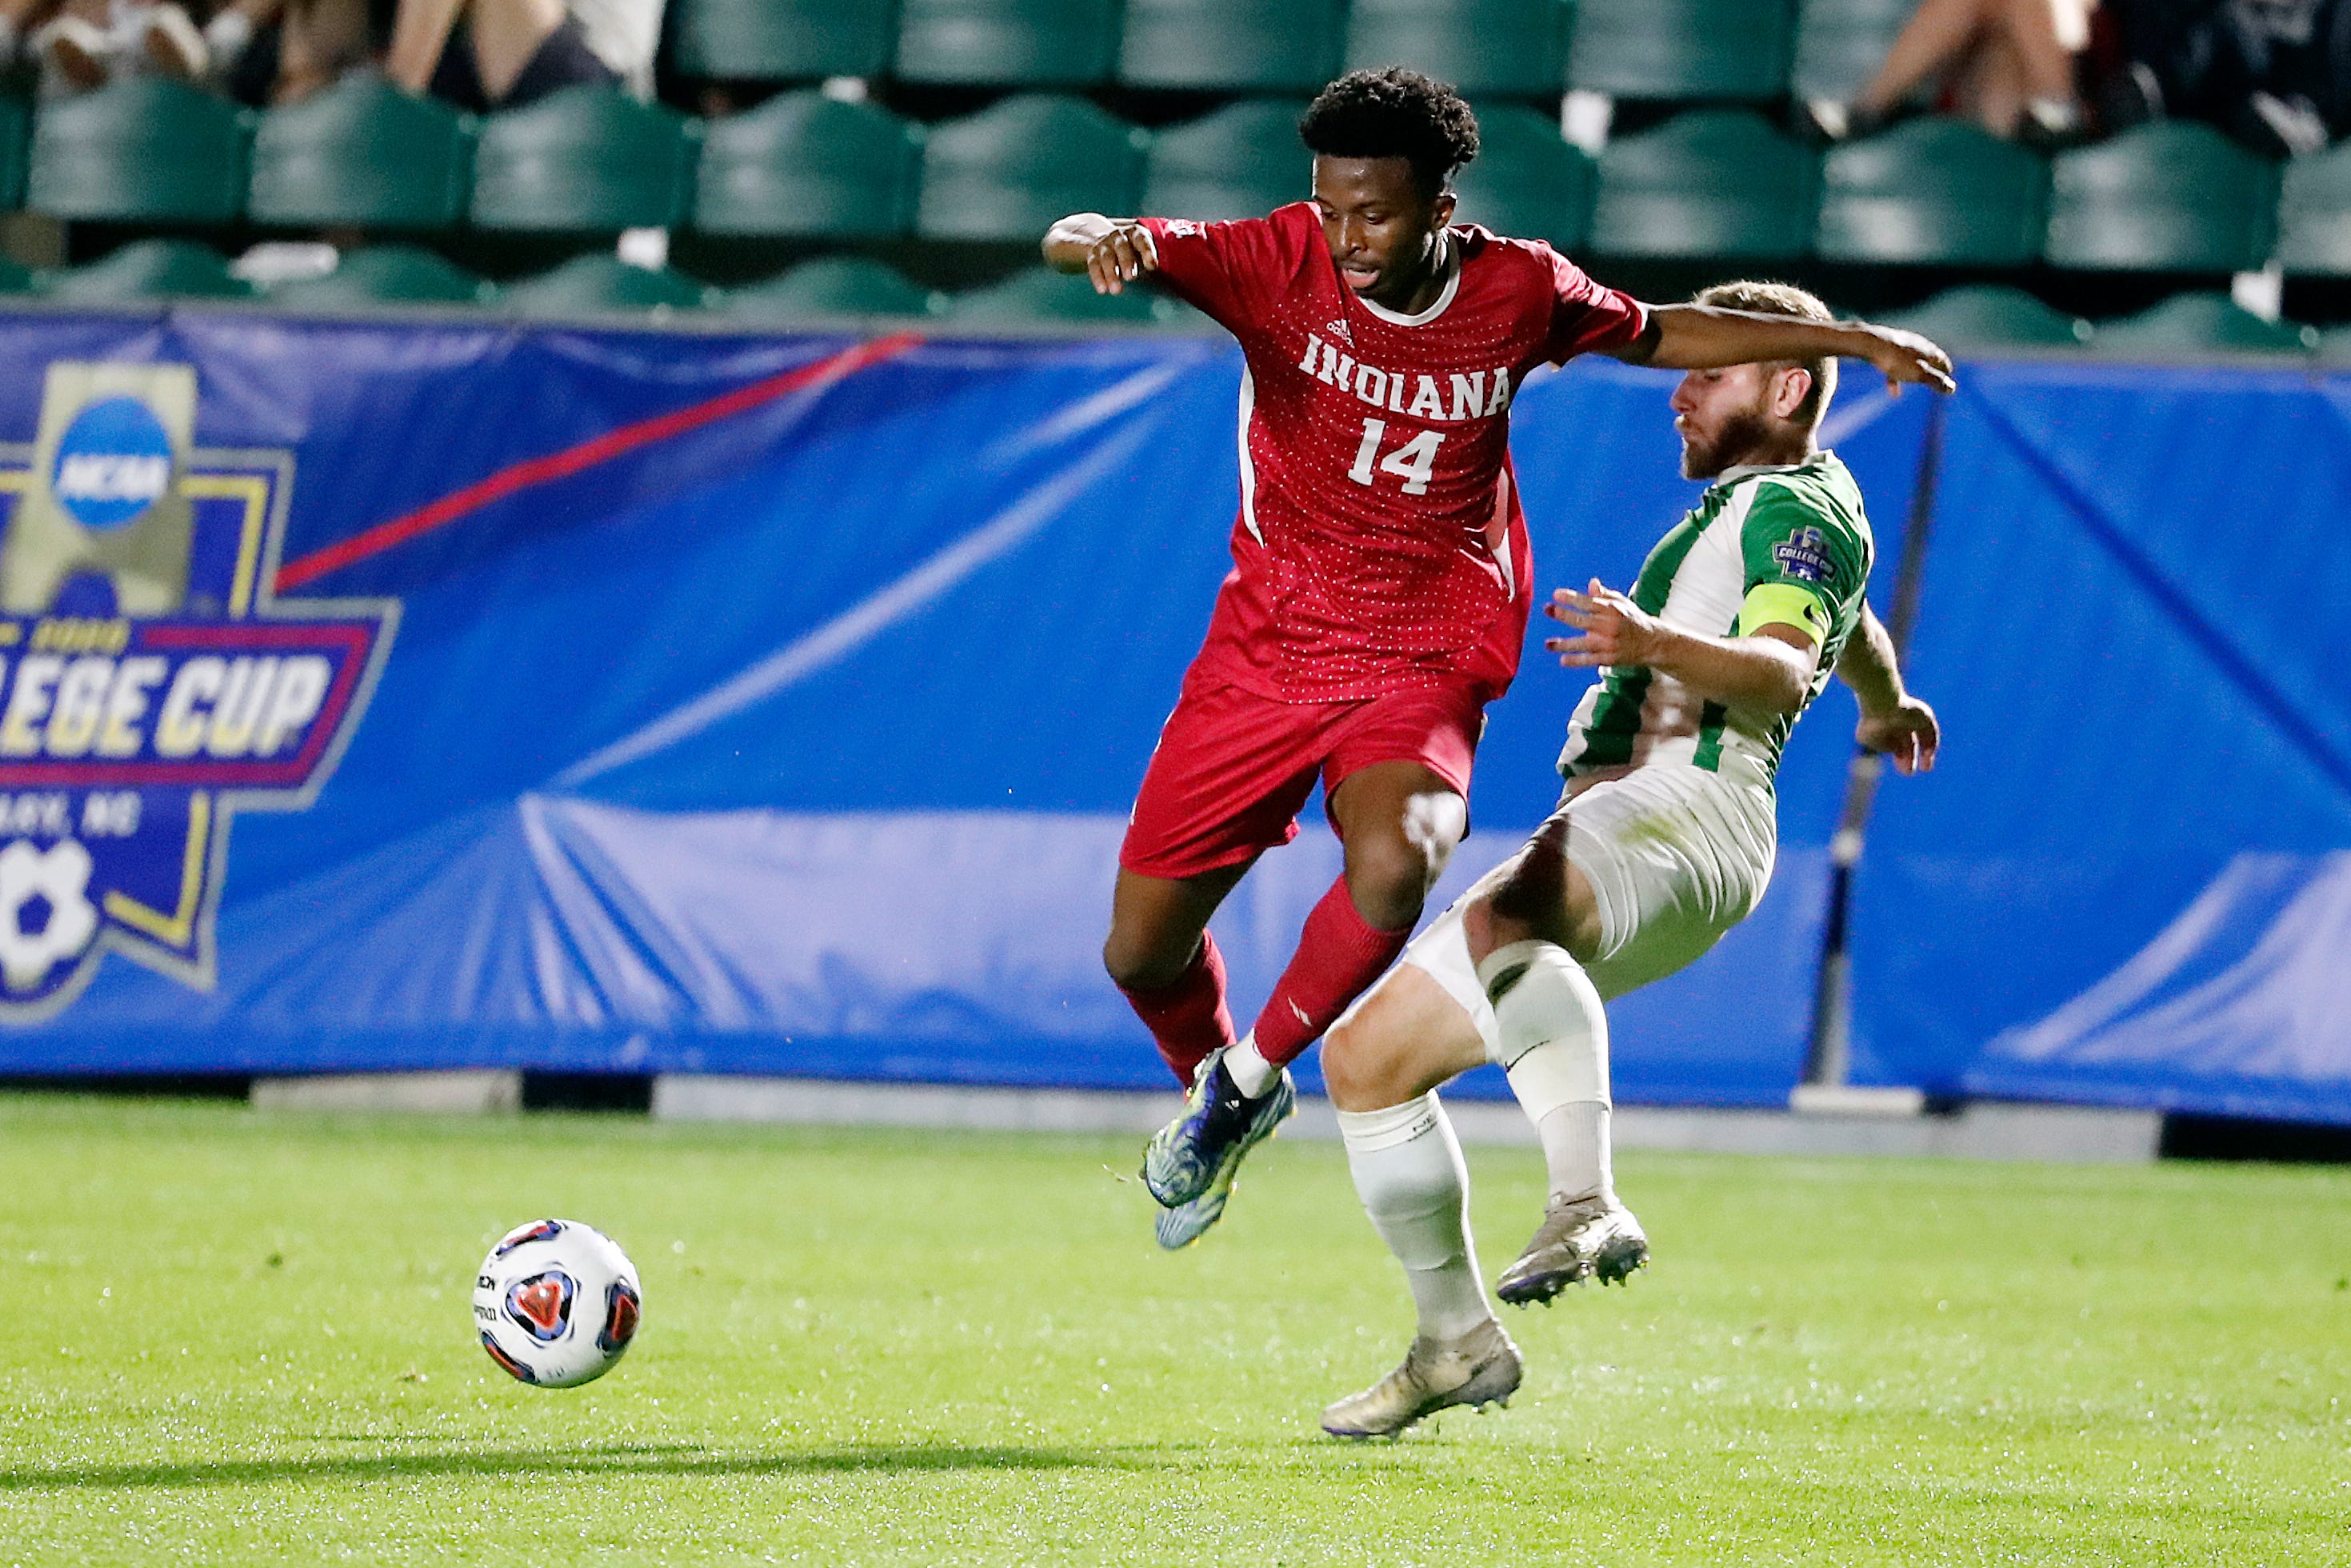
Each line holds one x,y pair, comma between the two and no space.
1478,1369
1580,1239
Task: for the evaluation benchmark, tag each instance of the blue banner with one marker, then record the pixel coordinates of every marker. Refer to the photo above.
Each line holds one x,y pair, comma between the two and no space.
774,705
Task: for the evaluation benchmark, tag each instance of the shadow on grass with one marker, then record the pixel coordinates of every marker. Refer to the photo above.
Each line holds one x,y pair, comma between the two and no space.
659,1459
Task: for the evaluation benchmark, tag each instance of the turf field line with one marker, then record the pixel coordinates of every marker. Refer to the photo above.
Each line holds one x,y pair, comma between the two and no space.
586,454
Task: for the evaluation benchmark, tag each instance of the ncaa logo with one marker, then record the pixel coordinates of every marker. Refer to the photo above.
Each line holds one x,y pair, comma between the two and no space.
114,461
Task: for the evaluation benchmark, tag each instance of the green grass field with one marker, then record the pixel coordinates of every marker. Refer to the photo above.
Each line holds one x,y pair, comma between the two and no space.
237,1337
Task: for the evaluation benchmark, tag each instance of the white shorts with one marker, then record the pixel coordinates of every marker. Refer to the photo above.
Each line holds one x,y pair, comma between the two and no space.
1676,856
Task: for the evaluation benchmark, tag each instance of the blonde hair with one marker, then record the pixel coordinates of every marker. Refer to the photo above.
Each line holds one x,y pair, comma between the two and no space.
1785,299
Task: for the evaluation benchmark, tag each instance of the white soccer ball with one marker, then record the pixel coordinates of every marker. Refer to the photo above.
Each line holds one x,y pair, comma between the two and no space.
556,1303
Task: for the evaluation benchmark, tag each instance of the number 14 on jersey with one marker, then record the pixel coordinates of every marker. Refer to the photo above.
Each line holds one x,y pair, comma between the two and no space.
1410,462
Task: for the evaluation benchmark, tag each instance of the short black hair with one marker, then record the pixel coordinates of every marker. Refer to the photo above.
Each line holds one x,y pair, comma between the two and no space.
1394,113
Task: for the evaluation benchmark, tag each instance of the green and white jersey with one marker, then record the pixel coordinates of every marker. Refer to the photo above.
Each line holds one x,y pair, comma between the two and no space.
1787,544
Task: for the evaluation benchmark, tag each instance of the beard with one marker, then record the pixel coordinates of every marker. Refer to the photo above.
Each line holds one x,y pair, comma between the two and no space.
1742,435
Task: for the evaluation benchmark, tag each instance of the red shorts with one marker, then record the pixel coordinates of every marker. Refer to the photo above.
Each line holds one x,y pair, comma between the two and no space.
1233,768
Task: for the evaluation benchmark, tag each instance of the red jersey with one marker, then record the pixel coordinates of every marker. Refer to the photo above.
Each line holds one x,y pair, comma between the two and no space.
1380,546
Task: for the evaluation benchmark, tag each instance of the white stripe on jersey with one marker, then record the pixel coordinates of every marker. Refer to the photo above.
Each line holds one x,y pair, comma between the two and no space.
1248,468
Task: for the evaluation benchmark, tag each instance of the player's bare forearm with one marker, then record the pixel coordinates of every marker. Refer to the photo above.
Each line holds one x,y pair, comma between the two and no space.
1707,336
1891,721
1869,666
1114,252
1768,670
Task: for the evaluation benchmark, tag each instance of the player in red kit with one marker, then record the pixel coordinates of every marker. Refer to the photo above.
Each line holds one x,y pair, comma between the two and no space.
1380,584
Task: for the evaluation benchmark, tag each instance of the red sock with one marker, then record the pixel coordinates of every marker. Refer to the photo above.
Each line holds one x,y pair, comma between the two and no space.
1188,1018
1338,956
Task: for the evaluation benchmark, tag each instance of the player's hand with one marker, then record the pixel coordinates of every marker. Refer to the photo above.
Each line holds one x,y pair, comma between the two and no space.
1907,356
1120,256
1906,733
1613,630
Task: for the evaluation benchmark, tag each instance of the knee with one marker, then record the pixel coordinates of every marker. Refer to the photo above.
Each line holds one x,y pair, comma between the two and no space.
1357,1073
1390,872
1138,964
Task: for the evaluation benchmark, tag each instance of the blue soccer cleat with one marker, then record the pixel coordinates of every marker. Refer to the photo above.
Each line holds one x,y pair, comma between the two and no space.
1191,1164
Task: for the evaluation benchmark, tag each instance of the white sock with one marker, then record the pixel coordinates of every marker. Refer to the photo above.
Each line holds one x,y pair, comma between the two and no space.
1555,1046
1251,1073
1408,1171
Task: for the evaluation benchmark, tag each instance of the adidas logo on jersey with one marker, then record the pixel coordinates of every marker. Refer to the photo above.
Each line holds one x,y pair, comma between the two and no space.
1482,394
1342,331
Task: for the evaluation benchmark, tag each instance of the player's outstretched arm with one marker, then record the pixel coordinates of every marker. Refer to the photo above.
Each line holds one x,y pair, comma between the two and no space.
1709,338
1768,671
1892,720
1114,252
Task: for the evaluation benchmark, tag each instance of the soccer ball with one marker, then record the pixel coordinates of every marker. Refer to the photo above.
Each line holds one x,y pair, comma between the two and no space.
557,1302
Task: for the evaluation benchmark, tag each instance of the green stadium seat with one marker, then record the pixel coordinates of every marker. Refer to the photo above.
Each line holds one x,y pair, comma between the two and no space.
1712,182
1487,48
585,159
1526,181
2189,326
386,275
2335,347
362,154
1839,44
1038,296
805,165
1933,191
16,133
1231,46
1007,42
1009,172
1986,315
833,286
1680,48
780,40
2172,196
144,150
603,284
2315,215
149,269
18,279
1241,161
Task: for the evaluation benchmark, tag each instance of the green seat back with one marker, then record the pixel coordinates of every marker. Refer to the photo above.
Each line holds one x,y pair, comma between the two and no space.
1680,48
780,40
1525,181
1038,294
832,286
143,150
585,159
2335,345
1986,315
17,278
1839,44
2315,215
385,274
603,284
1933,191
803,165
1241,161
2188,325
16,151
1712,182
1487,48
1007,42
2172,196
149,269
365,153
1009,172
1231,46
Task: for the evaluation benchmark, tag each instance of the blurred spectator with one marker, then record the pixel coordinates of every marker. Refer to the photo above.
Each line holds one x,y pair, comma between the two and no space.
2006,64
281,51
2276,74
500,54
83,44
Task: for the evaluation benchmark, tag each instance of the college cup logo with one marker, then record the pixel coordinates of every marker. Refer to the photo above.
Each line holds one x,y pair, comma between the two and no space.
151,684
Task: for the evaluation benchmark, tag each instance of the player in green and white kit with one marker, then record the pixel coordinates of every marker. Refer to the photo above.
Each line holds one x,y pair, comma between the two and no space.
1662,841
